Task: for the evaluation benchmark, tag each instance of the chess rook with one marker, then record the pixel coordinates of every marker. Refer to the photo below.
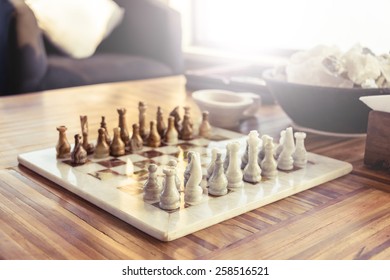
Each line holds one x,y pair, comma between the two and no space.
285,159
300,154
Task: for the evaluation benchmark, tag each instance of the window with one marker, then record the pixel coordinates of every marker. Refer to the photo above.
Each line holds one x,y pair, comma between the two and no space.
278,25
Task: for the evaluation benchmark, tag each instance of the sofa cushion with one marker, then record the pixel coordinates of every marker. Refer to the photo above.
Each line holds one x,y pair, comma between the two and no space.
76,27
102,68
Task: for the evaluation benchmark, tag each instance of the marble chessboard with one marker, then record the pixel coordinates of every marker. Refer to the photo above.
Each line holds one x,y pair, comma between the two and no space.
115,184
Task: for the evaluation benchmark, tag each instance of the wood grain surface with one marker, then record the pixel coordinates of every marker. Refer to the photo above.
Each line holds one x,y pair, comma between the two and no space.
348,218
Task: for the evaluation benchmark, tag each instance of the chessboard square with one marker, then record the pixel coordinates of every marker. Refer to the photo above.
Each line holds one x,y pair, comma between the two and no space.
132,157
164,159
169,150
144,163
126,170
151,154
203,142
111,162
93,159
104,174
186,146
88,167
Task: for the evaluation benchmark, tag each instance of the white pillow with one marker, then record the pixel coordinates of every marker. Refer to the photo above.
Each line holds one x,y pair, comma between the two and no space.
77,27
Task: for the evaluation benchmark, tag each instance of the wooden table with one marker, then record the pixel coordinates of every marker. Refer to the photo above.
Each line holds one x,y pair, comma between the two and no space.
348,218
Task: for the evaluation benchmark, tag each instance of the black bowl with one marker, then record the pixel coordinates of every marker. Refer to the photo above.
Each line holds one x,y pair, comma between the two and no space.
324,109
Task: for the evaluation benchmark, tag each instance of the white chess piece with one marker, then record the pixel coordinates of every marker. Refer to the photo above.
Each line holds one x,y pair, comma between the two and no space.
173,164
285,159
152,188
210,168
227,158
279,148
234,172
300,154
252,171
187,171
268,164
218,181
193,192
244,158
170,197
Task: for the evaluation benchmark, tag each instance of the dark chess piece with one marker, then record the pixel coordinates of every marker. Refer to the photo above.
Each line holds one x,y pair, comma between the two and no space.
103,124
124,133
89,147
154,139
117,147
136,142
175,114
63,146
186,132
142,120
171,135
161,127
79,154
102,149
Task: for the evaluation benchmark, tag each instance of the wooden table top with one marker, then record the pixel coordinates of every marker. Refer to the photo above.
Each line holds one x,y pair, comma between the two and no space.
347,218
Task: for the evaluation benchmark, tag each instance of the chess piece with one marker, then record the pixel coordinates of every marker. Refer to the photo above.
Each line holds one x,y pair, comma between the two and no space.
210,168
300,154
285,159
227,158
205,127
102,149
186,128
279,148
142,120
117,147
233,172
193,191
244,158
175,114
187,171
218,181
268,164
161,127
187,111
89,147
171,136
63,146
136,143
79,154
154,139
123,126
173,164
252,171
103,124
170,197
152,188
261,148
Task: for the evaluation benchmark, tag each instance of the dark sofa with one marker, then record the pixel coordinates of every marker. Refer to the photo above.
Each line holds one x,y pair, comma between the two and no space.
147,44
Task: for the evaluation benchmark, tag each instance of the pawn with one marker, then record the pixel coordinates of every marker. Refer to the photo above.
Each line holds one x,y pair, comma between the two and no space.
205,127
170,197
285,159
79,154
193,191
117,147
300,154
161,127
63,146
187,171
103,124
234,172
210,168
268,164
171,136
102,149
252,171
173,164
152,188
89,147
218,181
186,128
154,139
136,143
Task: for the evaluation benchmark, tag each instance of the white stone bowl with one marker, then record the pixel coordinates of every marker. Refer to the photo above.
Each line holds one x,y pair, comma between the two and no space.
226,108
